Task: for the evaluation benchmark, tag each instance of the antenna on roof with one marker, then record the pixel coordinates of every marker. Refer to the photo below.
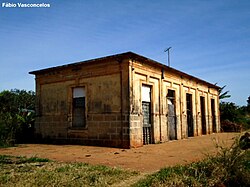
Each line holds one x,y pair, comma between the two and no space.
167,50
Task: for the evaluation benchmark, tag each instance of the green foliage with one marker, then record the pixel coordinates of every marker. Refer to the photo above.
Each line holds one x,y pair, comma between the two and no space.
234,116
223,95
33,159
229,111
230,167
7,159
16,115
14,100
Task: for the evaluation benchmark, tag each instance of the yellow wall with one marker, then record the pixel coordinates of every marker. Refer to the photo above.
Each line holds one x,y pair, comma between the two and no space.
114,102
144,73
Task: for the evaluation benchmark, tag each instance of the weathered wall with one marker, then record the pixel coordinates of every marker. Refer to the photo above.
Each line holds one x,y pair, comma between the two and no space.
106,86
160,81
141,74
114,115
182,86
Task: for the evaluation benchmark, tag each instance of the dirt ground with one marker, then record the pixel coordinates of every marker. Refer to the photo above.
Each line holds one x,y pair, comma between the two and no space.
146,159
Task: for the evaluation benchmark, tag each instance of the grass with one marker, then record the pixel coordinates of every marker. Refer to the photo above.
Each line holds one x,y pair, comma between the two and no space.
22,171
230,167
6,159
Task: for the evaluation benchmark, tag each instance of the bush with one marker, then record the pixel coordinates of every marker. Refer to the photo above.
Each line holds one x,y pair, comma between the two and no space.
7,129
228,126
234,165
230,167
234,118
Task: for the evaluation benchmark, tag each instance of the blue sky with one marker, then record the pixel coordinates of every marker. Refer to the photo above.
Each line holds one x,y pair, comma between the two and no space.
210,39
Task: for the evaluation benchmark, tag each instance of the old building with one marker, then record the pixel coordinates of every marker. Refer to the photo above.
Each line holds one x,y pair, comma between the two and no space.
124,100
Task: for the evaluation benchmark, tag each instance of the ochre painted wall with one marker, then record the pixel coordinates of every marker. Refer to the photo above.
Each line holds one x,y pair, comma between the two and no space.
114,103
106,86
160,81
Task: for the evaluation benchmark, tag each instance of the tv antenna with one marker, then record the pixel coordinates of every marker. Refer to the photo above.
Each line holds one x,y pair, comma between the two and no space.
167,50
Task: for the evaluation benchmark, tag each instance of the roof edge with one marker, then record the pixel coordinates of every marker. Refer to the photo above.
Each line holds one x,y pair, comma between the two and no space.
128,54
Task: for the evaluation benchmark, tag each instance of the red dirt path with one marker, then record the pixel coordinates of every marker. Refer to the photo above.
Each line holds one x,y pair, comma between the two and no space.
148,158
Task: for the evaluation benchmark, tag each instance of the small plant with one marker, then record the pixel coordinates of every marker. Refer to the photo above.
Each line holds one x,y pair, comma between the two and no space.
33,159
5,159
234,163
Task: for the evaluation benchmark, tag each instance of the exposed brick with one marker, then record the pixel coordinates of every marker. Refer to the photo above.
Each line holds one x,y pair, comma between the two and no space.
92,136
112,130
119,117
125,130
115,137
98,117
116,124
104,136
104,125
110,117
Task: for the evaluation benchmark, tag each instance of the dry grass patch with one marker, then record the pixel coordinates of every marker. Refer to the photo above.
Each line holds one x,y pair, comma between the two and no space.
21,171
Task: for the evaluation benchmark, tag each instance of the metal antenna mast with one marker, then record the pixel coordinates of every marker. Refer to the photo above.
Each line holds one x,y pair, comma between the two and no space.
167,50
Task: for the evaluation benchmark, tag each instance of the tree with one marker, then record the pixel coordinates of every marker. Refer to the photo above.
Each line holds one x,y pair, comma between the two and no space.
228,111
14,100
223,95
233,117
16,115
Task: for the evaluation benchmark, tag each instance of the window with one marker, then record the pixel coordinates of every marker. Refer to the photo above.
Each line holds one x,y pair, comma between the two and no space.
79,111
171,97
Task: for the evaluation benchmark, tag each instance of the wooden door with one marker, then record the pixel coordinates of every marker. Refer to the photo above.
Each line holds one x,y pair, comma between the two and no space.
147,132
203,115
213,115
190,121
172,132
